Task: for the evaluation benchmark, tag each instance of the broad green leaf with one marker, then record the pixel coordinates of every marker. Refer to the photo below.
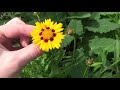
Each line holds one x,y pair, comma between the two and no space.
109,13
95,15
76,26
68,39
102,26
79,14
97,44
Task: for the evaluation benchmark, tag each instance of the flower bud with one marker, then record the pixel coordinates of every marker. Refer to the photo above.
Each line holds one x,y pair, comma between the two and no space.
35,13
70,31
89,61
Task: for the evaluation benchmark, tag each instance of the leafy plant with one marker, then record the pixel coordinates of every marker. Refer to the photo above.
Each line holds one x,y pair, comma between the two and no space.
91,48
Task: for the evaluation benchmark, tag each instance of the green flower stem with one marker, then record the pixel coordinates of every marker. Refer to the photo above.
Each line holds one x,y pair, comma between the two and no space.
38,17
35,13
85,71
74,47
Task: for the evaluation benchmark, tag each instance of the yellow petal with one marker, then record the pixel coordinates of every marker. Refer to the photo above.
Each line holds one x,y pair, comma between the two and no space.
52,44
36,41
46,47
51,24
54,25
47,22
38,24
56,44
59,30
58,26
49,43
41,45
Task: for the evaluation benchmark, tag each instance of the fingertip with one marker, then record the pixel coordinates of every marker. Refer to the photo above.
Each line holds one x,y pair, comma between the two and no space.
27,29
30,27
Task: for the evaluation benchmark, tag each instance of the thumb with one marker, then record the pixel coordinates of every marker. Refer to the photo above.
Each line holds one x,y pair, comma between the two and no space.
29,53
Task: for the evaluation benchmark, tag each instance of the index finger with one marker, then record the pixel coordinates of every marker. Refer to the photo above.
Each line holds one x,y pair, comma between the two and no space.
15,31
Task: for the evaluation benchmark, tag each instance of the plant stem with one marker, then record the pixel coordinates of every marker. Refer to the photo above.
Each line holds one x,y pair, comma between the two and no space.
74,46
38,17
85,71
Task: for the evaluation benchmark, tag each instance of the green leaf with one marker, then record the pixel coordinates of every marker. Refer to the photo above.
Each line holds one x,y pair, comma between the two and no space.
97,44
95,15
115,62
116,75
78,67
103,57
96,67
109,13
106,75
116,50
76,26
96,64
79,14
68,39
102,26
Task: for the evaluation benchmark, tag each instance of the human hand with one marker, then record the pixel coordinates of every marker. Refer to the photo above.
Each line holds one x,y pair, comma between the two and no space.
13,59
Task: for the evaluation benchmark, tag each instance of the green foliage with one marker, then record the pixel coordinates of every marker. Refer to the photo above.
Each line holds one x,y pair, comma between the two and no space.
79,14
108,13
95,37
76,26
68,39
102,26
97,44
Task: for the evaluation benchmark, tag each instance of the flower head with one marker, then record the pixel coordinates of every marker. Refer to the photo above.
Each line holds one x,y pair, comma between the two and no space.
47,35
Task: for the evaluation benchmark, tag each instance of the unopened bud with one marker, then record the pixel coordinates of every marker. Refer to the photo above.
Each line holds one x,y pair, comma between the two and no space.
89,61
35,13
70,31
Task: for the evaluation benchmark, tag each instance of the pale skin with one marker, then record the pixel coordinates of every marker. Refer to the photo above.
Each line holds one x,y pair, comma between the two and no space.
13,59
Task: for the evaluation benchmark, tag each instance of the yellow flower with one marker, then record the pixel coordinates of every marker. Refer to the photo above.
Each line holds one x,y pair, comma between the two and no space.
47,35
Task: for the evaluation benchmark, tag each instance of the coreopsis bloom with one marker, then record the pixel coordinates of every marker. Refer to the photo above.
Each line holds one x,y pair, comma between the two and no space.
47,35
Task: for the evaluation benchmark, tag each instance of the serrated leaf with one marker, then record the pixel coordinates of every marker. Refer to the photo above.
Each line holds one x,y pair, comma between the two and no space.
68,39
108,13
95,15
76,26
97,44
102,26
79,14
